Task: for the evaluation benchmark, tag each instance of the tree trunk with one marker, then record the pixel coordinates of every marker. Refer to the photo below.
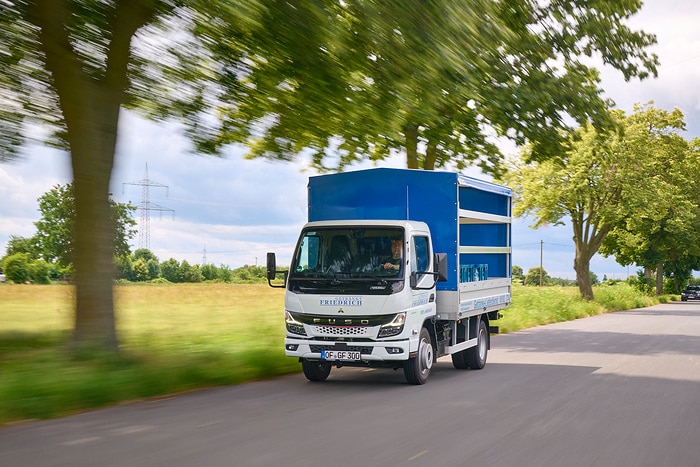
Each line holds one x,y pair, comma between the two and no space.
659,279
93,247
582,267
411,132
430,156
676,285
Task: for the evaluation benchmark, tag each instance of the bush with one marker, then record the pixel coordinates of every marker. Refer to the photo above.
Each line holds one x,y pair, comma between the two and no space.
190,273
160,280
124,267
141,272
39,272
170,270
16,267
225,274
153,268
643,284
209,272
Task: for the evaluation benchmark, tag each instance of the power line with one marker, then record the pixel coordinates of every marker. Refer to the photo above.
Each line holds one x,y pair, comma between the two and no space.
546,243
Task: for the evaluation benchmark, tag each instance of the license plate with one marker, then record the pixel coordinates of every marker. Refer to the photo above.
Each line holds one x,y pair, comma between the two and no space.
344,355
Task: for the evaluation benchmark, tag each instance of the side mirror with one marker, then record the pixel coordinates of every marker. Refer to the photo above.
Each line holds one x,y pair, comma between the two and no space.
272,271
440,262
439,272
271,266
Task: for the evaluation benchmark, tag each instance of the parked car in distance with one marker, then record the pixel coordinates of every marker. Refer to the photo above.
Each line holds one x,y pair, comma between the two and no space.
692,292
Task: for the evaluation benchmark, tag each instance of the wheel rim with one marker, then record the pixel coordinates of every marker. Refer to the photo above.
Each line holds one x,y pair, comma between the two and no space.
425,356
482,345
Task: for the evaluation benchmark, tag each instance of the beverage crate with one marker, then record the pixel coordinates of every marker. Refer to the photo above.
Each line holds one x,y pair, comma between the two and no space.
473,272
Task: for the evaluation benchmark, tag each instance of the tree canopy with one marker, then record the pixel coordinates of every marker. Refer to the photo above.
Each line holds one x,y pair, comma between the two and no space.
53,241
662,227
634,189
359,78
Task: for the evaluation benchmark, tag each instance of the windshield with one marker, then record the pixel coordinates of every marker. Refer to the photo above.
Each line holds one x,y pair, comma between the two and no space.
358,259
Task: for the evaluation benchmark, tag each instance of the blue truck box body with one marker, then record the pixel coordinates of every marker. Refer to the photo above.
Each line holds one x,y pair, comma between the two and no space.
469,219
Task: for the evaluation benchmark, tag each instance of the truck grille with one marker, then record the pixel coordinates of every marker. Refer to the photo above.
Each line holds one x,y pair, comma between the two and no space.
350,348
341,330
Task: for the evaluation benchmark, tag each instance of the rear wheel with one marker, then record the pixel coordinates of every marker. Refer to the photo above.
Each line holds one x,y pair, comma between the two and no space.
459,360
315,370
417,369
476,356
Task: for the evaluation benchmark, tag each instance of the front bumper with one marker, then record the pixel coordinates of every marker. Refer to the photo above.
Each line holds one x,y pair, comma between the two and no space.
379,351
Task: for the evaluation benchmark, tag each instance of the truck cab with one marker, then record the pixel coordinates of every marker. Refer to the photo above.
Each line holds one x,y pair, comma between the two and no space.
359,292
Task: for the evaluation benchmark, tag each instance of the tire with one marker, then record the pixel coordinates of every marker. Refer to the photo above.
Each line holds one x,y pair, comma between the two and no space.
459,360
315,370
476,356
417,369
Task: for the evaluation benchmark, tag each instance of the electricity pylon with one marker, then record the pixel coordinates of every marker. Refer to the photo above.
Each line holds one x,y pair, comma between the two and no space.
146,207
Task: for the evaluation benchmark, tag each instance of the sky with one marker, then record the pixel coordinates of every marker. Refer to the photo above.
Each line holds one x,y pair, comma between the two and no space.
232,211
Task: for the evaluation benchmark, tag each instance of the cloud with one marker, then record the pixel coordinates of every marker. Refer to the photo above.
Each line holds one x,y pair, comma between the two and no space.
674,22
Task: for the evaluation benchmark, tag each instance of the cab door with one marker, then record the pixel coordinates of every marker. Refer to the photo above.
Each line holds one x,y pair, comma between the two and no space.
421,267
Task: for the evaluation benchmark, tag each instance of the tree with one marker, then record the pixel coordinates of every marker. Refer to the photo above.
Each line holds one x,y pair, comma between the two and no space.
594,278
224,273
69,65
606,182
189,273
665,230
536,276
145,254
517,273
364,79
17,244
54,238
140,270
124,268
150,260
209,272
72,65
170,270
584,184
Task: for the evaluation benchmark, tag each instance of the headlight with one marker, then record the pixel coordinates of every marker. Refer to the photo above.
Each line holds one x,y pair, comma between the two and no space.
293,326
395,327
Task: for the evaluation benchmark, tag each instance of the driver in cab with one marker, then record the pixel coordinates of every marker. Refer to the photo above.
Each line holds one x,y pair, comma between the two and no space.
394,261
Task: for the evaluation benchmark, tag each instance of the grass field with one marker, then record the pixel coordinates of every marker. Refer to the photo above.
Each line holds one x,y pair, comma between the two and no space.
183,337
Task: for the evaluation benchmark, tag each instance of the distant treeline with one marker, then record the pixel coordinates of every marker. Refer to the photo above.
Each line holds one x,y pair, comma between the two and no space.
141,266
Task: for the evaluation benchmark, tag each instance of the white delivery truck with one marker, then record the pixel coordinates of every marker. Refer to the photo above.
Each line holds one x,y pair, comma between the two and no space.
396,268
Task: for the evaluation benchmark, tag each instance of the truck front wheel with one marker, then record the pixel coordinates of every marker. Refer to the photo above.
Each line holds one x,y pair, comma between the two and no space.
315,370
417,369
476,356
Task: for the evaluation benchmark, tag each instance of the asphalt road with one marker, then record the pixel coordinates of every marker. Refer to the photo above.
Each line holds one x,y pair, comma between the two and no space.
621,389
